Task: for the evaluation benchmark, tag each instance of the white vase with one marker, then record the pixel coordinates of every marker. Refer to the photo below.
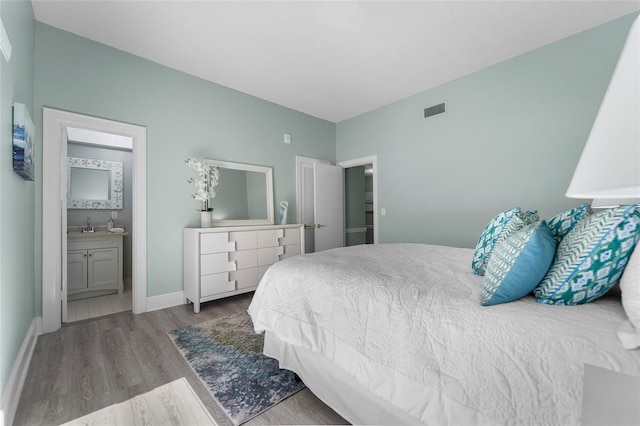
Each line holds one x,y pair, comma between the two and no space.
205,219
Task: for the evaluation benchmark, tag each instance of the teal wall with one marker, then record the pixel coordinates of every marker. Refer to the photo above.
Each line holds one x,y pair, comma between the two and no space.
185,117
512,136
18,254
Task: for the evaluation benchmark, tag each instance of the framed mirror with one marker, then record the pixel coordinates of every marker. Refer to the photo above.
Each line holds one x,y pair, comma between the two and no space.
244,195
94,184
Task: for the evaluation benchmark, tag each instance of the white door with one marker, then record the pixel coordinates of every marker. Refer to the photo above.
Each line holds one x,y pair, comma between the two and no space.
328,206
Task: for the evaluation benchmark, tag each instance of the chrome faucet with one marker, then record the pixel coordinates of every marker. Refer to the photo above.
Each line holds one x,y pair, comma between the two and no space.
89,228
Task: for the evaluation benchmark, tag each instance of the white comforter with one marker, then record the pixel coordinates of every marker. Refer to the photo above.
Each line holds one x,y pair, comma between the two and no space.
405,321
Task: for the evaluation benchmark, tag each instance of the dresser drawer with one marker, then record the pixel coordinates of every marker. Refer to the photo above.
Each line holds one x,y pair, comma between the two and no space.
244,259
269,255
244,240
245,278
291,250
215,262
215,283
269,238
291,236
215,243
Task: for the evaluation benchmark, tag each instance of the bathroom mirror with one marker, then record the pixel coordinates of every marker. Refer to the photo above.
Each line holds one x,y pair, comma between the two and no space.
244,195
94,184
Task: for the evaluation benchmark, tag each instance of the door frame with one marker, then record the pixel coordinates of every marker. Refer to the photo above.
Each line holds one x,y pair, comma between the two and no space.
54,202
363,161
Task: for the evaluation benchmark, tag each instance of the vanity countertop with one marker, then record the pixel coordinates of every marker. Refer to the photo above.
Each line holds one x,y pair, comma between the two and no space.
78,234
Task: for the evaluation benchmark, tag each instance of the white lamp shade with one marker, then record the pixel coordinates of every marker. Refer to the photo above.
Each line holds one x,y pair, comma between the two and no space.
610,163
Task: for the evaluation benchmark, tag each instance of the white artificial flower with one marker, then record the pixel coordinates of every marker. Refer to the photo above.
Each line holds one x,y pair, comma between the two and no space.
206,180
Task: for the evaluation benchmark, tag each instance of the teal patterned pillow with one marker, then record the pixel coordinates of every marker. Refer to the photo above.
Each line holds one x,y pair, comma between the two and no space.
500,227
518,264
561,224
591,258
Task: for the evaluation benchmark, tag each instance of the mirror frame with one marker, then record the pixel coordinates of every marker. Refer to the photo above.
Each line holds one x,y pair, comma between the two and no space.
115,184
268,171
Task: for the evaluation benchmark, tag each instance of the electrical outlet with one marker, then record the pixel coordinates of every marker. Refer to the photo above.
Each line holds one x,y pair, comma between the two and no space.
114,215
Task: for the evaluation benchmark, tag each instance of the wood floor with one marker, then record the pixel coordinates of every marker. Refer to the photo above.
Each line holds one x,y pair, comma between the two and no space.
91,364
93,307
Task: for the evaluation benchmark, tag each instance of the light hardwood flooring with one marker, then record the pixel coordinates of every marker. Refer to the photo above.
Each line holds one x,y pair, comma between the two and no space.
94,307
91,364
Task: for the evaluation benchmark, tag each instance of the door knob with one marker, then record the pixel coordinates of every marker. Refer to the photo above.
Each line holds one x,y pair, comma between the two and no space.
308,227
318,226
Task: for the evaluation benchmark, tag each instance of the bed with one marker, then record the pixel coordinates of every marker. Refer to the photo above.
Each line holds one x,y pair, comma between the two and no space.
396,334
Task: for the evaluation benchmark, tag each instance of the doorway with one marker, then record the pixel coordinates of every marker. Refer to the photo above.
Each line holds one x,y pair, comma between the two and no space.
361,200
358,205
54,219
99,266
308,206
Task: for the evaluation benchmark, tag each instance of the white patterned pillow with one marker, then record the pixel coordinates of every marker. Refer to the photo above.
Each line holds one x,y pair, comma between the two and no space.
629,332
518,263
562,223
591,258
501,226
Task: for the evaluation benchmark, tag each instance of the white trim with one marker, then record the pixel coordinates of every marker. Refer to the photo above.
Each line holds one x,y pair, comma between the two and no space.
54,224
163,301
362,161
15,383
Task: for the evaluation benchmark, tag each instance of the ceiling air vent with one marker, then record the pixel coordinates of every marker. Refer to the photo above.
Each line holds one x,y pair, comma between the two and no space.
434,110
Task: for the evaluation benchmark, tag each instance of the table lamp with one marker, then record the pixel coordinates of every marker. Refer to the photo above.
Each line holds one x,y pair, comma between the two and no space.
609,168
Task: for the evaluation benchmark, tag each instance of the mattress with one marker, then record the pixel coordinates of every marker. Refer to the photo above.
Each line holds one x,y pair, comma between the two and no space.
404,321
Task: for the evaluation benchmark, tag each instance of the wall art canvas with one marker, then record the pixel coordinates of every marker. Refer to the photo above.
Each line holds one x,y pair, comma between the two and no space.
23,133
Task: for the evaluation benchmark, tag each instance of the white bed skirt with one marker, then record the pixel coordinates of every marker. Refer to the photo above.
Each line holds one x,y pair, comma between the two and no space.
348,398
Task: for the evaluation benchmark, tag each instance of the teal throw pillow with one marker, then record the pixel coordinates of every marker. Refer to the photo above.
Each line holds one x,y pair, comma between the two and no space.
500,227
518,264
591,258
562,223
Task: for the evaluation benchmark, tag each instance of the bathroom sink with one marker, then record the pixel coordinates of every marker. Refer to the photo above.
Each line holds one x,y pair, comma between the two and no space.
79,234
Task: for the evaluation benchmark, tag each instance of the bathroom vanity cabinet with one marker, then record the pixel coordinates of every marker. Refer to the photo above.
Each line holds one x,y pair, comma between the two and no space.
223,262
94,264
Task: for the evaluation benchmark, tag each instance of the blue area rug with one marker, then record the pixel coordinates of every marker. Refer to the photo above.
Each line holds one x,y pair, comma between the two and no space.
226,354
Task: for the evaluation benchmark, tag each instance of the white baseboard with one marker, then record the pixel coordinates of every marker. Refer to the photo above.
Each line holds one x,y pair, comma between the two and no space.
165,301
13,389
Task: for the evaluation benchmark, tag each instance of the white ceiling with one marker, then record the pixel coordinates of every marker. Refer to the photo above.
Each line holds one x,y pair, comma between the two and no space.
333,60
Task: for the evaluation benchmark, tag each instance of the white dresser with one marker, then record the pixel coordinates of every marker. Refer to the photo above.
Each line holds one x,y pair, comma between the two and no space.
223,262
